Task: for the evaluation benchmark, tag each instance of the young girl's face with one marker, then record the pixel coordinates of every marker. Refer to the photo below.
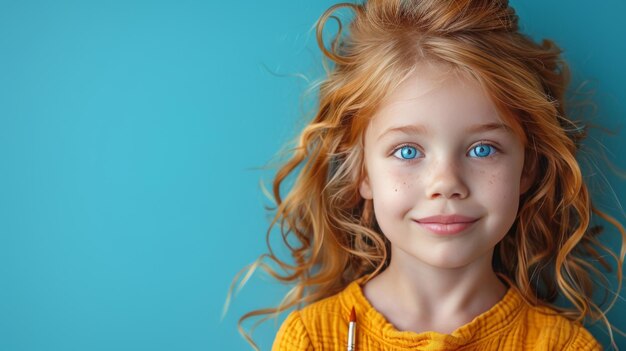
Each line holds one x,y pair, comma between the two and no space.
437,147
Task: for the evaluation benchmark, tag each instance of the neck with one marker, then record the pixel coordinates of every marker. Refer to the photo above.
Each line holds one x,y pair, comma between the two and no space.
416,296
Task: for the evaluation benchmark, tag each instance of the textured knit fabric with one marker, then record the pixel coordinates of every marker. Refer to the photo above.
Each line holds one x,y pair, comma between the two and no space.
511,324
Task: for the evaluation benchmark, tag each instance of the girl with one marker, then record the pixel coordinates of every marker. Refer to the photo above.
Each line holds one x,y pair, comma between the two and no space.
437,191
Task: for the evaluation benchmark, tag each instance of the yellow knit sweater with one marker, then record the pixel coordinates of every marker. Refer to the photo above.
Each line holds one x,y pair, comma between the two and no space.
511,324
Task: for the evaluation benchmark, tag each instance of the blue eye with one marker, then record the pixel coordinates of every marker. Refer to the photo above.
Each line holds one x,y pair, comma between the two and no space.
406,152
482,150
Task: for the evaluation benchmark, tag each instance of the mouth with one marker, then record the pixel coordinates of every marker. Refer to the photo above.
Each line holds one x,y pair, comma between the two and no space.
446,224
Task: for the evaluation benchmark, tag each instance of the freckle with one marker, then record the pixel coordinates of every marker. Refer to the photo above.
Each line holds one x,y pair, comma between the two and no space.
396,190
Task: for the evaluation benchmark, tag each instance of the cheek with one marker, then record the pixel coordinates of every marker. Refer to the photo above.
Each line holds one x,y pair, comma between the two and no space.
395,190
500,191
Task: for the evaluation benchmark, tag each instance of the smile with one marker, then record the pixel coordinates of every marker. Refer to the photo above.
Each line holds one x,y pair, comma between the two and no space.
446,225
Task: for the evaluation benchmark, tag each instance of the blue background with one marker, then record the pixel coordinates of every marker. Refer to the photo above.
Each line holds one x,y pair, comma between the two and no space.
133,136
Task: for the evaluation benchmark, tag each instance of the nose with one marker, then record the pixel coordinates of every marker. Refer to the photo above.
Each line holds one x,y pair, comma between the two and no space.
446,180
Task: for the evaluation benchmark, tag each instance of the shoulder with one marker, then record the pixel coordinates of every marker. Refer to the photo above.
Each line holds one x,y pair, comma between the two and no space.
292,334
323,324
551,330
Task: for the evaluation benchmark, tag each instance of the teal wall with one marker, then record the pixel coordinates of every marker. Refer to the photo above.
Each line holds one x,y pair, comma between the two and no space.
132,136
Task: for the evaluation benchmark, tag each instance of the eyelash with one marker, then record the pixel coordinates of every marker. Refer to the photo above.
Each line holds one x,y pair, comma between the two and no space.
399,147
496,150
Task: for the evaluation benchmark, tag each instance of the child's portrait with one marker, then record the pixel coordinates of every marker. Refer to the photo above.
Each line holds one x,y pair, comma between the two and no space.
441,196
312,175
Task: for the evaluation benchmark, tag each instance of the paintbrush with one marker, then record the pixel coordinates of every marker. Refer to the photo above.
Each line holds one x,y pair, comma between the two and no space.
352,330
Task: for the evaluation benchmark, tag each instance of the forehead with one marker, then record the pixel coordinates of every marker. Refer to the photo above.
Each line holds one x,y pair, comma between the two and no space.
434,92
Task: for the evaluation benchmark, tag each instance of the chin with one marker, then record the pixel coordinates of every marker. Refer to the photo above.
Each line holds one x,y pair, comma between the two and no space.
447,260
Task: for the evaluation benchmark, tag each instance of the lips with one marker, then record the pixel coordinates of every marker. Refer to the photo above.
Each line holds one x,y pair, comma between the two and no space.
446,224
447,219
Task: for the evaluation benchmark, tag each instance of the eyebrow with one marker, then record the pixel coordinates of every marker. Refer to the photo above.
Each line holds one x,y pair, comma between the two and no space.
421,130
479,128
408,129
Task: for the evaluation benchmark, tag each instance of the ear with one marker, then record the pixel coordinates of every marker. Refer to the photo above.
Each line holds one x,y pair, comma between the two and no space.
529,174
525,184
365,189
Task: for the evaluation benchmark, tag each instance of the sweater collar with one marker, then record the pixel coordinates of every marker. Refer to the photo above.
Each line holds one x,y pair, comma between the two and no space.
499,317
